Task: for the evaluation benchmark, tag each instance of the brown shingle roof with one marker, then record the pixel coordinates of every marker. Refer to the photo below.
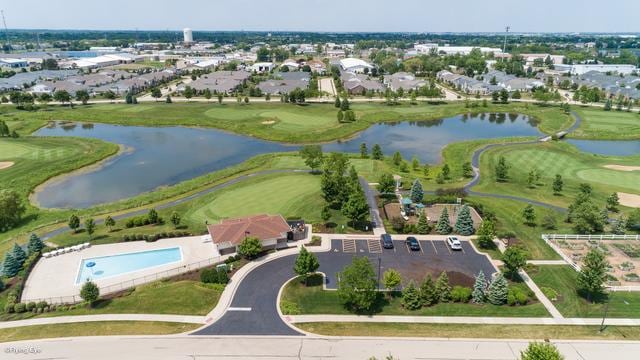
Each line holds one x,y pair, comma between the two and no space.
263,227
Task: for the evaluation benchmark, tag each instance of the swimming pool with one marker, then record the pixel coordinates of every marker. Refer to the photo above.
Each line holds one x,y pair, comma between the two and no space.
113,265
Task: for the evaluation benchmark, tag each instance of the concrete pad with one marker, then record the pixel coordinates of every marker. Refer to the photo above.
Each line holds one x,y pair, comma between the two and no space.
54,279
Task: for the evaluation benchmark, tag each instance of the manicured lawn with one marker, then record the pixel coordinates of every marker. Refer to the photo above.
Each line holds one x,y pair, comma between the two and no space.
287,194
472,331
552,158
100,328
562,278
509,219
276,121
183,297
315,300
38,159
600,124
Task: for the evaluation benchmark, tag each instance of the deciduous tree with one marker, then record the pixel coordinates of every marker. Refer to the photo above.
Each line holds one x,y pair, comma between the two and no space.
593,273
357,285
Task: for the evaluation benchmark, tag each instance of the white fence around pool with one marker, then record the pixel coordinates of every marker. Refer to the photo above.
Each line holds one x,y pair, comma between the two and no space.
124,285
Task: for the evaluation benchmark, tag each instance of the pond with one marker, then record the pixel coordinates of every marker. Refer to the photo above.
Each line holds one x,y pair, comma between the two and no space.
162,156
608,147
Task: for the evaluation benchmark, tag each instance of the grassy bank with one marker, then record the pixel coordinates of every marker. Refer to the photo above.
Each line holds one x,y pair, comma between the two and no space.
563,279
38,159
272,121
185,297
314,300
472,331
101,328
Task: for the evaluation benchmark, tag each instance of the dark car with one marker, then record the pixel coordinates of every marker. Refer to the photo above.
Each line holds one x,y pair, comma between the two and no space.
387,243
413,243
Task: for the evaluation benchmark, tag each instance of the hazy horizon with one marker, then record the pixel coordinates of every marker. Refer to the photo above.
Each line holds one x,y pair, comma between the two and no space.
467,16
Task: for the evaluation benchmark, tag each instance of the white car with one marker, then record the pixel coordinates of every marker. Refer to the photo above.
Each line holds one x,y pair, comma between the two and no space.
454,243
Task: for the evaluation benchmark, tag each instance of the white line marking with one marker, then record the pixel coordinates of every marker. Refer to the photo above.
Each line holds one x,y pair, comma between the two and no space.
239,309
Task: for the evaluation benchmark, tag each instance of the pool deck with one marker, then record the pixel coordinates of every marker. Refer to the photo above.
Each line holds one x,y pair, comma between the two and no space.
55,277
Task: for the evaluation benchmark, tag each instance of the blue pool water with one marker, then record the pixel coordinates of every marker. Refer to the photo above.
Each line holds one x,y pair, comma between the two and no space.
108,266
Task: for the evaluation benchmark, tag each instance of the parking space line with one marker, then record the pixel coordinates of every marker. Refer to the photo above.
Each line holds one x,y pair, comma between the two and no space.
434,246
448,248
348,245
374,246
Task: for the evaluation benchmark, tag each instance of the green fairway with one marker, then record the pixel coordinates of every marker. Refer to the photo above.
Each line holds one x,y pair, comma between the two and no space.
38,159
271,121
478,331
600,124
314,300
94,328
563,279
549,159
296,195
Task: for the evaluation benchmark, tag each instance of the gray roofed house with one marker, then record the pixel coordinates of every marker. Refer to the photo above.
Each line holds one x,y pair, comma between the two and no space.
18,80
403,80
358,84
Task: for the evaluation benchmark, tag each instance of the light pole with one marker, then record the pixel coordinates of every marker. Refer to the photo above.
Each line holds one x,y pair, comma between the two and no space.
379,267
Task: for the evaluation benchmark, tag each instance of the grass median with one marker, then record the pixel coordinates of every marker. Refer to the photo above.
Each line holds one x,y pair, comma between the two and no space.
472,331
96,328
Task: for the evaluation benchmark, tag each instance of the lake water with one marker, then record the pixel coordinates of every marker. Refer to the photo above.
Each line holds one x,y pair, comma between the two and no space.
159,156
608,147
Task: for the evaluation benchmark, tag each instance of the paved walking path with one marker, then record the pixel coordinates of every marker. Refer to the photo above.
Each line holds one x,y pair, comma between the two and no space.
540,295
102,317
547,262
376,220
477,320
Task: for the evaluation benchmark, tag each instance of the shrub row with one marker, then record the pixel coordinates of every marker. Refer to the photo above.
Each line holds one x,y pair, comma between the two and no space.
233,258
154,237
141,221
36,308
214,276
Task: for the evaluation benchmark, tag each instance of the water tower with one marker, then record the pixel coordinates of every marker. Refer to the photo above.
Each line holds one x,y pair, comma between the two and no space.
188,35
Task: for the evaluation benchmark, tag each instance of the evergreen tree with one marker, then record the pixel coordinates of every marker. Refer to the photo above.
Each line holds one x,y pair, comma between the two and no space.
18,254
364,153
464,222
443,289
529,215
557,185
74,222
10,266
498,290
35,244
416,192
423,227
446,172
467,170
443,227
479,288
376,152
109,222
502,170
337,103
344,105
397,158
411,299
428,291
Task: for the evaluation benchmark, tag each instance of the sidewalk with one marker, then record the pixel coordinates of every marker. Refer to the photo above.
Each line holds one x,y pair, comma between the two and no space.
103,317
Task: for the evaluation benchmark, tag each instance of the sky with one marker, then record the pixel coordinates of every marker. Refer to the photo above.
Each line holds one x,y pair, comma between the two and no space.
328,15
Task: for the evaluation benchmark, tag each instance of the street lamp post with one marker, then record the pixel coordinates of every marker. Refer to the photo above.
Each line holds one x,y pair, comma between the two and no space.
379,267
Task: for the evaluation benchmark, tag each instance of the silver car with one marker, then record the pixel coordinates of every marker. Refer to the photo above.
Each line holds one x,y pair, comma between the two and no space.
454,243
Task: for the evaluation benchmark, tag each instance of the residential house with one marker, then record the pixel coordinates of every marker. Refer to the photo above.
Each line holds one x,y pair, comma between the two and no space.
359,84
403,80
354,65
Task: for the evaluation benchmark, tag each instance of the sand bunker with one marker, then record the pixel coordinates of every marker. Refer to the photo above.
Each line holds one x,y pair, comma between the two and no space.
623,167
268,122
630,200
5,164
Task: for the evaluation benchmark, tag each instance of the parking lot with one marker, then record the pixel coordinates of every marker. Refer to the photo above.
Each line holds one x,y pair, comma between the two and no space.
433,257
